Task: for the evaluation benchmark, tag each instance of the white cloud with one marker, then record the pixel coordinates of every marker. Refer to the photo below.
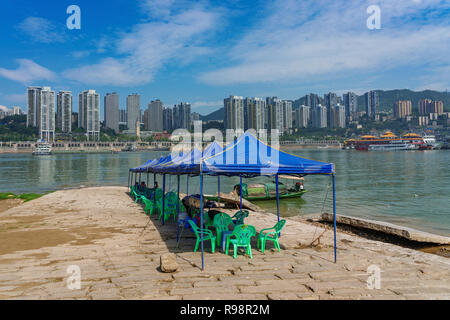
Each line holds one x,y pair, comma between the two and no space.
40,30
313,40
199,104
176,38
27,72
80,54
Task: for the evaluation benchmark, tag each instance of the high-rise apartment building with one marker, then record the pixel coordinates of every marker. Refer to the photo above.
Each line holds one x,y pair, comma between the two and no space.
372,103
123,117
351,105
41,111
423,106
112,111
339,116
436,107
64,111
301,117
133,111
274,114
47,114
330,103
402,109
17,111
254,113
312,100
182,116
33,106
319,116
89,113
287,115
155,116
234,112
168,119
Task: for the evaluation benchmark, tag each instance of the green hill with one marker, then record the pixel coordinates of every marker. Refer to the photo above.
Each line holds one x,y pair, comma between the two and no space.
216,115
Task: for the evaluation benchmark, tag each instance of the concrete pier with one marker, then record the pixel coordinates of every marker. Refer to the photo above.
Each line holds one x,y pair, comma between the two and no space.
101,231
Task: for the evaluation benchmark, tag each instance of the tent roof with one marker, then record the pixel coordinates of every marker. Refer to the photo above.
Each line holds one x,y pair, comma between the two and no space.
180,162
247,156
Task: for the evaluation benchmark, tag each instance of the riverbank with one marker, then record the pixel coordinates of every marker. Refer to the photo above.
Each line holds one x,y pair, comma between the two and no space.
101,230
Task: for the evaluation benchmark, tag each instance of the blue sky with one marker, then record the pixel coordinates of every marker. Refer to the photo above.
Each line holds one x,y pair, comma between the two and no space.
203,51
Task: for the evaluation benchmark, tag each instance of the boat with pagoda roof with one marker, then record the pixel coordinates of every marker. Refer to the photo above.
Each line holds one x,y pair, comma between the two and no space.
388,141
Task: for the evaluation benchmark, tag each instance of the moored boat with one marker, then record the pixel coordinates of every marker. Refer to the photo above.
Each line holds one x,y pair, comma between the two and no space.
267,191
390,142
42,148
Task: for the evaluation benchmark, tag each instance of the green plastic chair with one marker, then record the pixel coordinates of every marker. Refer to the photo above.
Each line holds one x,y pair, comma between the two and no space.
271,235
150,207
239,217
241,237
221,223
136,195
207,235
157,194
170,206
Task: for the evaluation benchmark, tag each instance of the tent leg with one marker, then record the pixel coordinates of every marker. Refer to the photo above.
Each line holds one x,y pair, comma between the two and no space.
278,199
178,202
129,172
187,185
278,202
154,179
334,219
240,205
164,197
201,216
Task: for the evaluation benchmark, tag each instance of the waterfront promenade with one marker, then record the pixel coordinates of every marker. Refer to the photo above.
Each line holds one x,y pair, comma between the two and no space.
101,230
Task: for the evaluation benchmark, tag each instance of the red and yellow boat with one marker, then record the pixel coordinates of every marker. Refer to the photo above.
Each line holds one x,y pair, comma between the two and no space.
389,141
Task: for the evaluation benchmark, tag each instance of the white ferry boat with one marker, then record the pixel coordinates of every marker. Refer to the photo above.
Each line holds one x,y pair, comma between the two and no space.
42,149
430,140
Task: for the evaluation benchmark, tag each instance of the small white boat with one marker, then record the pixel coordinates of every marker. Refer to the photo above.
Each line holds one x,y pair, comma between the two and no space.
42,149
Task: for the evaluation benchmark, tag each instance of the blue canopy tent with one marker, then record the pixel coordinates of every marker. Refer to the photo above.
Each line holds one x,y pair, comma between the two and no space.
249,157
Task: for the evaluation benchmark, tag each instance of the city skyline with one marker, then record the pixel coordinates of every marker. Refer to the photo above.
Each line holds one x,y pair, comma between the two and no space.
208,50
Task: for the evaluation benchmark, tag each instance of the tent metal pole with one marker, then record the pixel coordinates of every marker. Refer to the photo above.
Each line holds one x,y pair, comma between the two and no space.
278,198
164,198
334,219
154,179
140,175
178,202
129,172
187,185
201,215
240,205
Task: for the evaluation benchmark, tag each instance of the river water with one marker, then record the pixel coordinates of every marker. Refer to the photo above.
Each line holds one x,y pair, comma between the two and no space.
409,188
